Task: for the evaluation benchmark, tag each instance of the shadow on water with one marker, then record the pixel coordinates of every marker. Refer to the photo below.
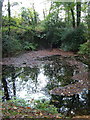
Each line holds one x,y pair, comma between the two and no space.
35,83
78,104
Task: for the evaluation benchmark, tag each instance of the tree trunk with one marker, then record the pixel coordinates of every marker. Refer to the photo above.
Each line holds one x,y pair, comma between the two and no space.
68,17
9,17
78,8
73,18
1,3
35,15
44,15
88,21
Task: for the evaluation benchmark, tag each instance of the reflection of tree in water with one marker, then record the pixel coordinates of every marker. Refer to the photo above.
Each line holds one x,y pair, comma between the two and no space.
88,99
10,75
30,75
8,72
59,73
78,104
4,85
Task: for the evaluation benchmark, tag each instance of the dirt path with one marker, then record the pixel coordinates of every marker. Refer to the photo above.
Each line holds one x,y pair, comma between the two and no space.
30,58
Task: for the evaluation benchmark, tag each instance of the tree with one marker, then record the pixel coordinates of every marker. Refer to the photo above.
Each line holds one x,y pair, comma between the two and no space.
1,3
9,17
29,16
88,21
71,6
73,18
9,14
67,7
78,9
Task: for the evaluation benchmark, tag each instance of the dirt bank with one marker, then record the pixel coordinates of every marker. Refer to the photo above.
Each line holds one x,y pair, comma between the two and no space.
30,58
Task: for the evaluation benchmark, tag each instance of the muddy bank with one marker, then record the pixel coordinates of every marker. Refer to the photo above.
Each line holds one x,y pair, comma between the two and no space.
31,58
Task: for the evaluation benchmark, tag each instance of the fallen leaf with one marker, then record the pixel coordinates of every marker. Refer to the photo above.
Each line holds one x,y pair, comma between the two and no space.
28,107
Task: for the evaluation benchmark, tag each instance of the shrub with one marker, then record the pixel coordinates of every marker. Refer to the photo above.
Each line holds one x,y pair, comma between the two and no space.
30,46
72,38
53,36
85,49
26,35
45,106
53,27
10,45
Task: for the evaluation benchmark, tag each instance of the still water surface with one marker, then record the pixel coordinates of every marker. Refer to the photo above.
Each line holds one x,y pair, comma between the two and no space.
35,83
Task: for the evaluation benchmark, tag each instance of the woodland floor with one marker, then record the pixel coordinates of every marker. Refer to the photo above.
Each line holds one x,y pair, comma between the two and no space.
31,58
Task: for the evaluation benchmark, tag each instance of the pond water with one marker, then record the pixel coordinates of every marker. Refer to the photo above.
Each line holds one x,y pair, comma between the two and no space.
36,82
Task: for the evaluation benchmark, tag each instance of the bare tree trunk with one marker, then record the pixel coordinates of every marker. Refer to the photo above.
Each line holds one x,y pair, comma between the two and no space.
68,17
88,21
1,3
35,15
78,8
9,17
73,18
50,7
44,15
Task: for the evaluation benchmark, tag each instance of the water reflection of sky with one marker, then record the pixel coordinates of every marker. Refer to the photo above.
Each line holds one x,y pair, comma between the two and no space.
31,89
35,83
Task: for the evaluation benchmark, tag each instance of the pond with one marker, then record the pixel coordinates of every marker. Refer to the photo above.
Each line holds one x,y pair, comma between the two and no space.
37,82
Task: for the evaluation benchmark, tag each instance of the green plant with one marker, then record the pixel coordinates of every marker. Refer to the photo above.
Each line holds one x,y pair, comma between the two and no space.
45,106
85,49
10,45
53,28
72,38
30,46
19,102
